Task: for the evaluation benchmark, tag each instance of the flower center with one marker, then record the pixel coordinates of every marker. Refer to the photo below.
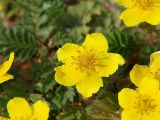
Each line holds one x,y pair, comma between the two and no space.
145,104
148,4
85,60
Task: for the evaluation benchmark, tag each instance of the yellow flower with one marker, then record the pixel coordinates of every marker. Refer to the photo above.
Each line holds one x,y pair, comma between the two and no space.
4,68
142,104
19,109
85,65
139,11
153,70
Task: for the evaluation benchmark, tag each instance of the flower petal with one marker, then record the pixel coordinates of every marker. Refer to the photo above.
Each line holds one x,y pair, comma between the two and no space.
109,64
138,73
127,97
149,86
154,16
68,50
18,108
91,84
132,17
96,41
118,58
2,118
68,75
6,77
152,116
40,110
131,115
156,99
6,65
154,62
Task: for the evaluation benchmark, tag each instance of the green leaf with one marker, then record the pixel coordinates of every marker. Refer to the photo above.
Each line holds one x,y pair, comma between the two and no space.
121,43
63,96
3,106
19,40
44,73
68,95
35,97
15,88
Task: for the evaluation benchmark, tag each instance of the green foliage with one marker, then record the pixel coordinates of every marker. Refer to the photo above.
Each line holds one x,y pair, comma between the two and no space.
60,39
78,112
44,73
121,43
35,29
3,107
62,96
45,87
148,50
15,88
20,41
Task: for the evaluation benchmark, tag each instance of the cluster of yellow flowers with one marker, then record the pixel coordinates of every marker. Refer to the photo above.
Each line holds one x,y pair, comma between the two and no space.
144,102
85,65
18,108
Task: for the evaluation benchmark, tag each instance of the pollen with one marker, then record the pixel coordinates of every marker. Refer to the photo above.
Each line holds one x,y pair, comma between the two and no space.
145,104
85,60
148,4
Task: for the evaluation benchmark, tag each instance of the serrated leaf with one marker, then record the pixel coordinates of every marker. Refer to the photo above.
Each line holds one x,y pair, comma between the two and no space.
68,95
20,41
121,43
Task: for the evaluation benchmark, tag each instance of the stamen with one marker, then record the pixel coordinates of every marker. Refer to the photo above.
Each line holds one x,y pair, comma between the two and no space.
148,4
145,104
88,59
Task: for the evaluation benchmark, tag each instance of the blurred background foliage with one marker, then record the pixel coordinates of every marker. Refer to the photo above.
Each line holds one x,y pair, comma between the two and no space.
35,29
